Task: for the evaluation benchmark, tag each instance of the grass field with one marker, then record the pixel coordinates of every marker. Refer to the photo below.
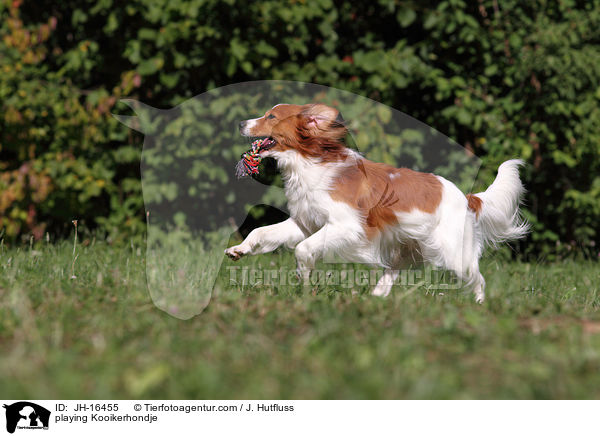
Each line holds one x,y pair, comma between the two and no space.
99,335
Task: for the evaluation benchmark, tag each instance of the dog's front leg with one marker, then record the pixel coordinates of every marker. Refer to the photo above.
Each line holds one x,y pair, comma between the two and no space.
330,236
268,238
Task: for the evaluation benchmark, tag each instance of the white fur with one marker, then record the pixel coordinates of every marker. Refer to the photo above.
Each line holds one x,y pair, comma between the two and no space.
385,283
500,220
248,126
451,237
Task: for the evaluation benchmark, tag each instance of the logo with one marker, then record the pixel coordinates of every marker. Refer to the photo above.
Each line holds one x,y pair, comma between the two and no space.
26,415
191,152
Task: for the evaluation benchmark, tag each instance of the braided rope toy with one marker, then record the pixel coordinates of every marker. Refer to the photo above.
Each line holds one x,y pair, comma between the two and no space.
250,161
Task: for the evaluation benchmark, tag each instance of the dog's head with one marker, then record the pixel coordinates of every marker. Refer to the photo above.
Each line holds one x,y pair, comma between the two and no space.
313,130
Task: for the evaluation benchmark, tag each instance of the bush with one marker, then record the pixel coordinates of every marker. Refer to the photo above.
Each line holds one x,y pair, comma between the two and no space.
505,80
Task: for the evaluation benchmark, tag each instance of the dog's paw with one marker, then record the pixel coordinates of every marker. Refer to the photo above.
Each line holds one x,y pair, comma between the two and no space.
382,291
235,252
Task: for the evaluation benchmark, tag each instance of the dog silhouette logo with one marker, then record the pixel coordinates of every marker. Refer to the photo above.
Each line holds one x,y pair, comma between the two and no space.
195,204
26,415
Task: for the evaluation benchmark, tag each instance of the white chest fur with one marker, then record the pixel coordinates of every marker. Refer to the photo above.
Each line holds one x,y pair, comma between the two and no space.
307,185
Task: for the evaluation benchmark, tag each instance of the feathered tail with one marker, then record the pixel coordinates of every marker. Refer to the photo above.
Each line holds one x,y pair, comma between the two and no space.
497,208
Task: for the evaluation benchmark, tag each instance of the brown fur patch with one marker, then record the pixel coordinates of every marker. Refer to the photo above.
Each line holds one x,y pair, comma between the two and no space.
264,125
380,191
310,129
474,203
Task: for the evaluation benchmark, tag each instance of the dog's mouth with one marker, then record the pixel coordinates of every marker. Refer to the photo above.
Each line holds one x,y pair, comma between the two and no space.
250,160
267,142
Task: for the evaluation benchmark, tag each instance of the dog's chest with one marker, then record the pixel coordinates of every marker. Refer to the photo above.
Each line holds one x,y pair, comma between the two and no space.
309,209
309,200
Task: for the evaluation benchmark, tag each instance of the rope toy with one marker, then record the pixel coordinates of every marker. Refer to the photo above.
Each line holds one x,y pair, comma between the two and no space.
250,161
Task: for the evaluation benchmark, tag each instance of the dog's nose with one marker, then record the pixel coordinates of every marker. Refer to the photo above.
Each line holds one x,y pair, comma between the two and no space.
242,124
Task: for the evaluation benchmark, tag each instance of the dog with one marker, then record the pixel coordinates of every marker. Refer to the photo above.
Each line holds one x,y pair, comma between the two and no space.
373,213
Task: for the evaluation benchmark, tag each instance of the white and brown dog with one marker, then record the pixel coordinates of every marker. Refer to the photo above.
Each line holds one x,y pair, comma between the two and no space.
371,212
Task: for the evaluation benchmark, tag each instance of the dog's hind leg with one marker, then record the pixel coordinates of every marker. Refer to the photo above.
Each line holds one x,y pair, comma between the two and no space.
479,288
476,282
385,283
459,250
472,279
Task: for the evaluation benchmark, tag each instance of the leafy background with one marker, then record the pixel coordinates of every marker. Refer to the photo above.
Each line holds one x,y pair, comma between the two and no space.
505,79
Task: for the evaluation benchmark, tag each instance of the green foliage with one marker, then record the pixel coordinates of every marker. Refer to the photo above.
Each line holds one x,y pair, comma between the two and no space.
62,155
506,80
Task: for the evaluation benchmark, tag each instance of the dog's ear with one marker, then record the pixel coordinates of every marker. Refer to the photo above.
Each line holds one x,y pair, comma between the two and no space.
320,116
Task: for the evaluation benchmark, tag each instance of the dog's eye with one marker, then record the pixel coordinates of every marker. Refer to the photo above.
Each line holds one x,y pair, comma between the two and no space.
270,117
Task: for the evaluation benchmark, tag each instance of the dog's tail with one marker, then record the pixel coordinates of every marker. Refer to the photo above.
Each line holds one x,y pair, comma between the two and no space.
497,209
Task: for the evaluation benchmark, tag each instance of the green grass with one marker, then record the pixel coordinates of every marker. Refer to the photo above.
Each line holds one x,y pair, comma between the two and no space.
99,335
